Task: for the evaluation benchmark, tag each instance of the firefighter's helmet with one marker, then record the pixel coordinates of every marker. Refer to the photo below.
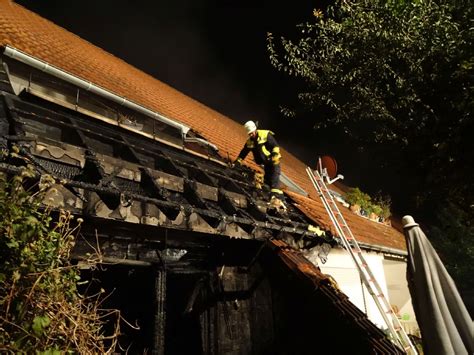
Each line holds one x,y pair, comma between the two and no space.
250,126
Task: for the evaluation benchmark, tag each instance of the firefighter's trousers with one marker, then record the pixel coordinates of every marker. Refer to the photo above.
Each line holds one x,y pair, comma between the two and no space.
272,179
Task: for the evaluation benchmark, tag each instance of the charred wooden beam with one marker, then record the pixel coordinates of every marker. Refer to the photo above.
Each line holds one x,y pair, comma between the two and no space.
298,228
238,295
92,172
5,84
150,184
105,133
184,199
84,265
159,314
227,203
191,194
147,181
4,126
198,285
256,212
15,124
81,138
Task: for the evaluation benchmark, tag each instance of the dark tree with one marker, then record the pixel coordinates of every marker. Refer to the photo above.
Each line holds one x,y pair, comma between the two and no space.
399,74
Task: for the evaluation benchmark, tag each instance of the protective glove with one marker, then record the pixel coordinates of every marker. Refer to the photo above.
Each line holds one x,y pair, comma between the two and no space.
237,162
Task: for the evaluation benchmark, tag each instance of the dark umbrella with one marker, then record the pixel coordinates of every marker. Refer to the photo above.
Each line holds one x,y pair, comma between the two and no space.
446,327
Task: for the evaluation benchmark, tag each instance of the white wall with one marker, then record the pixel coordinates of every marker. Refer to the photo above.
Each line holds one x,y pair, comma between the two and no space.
399,294
341,267
390,274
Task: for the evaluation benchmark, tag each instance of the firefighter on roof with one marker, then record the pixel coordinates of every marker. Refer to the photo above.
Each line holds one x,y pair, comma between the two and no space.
266,152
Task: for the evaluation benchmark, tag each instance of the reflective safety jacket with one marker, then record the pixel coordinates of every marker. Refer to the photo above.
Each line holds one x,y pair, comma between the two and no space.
264,147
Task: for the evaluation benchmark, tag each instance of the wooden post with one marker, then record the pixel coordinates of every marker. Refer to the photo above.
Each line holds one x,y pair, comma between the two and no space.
159,321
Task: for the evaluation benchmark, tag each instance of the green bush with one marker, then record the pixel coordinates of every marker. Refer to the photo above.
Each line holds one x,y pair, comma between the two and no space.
380,206
41,310
356,197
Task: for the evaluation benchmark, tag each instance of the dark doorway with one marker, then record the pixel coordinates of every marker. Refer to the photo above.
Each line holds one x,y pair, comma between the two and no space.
130,290
183,327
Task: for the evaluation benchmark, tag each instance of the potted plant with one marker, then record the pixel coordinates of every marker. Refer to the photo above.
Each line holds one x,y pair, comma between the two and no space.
355,208
385,205
361,203
375,212
358,200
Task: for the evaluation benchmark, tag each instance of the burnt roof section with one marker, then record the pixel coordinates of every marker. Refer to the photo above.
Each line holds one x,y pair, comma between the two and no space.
41,38
110,172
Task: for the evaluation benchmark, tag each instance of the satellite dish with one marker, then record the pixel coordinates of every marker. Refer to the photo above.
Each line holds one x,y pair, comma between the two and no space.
329,163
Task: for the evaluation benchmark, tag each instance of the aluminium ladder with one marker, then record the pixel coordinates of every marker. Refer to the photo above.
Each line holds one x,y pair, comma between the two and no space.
399,336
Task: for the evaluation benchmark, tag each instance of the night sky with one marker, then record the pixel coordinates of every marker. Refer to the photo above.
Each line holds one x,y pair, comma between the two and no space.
213,51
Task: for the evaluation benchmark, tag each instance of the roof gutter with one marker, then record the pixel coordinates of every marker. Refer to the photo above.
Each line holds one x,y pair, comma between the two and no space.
201,141
89,86
382,249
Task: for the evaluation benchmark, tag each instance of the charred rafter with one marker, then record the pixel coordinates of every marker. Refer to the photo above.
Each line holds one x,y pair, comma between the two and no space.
94,134
298,228
143,181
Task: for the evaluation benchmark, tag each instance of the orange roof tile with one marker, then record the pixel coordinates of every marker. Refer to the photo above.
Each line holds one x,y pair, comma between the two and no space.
364,230
43,39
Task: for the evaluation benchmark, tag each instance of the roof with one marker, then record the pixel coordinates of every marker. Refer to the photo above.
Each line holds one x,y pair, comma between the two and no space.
43,39
319,282
368,232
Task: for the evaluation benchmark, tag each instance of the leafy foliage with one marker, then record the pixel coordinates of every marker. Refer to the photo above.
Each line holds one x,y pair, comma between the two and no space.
378,205
40,308
395,73
356,197
453,236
